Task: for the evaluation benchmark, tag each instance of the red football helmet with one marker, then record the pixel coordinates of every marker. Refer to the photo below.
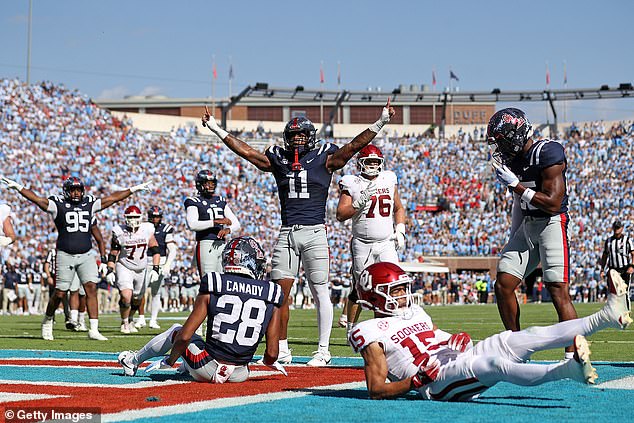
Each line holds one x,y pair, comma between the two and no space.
375,284
132,216
370,160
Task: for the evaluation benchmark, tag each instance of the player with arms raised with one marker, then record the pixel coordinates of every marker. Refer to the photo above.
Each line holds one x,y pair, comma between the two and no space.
371,200
72,215
239,308
303,171
131,245
403,344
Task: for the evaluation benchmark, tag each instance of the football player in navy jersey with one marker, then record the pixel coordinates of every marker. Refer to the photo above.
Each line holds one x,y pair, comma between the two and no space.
535,172
209,216
239,308
72,215
302,170
164,235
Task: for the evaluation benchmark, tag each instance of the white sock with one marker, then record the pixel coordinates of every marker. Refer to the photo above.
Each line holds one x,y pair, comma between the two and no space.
159,345
73,315
82,315
141,318
94,325
321,296
283,345
156,306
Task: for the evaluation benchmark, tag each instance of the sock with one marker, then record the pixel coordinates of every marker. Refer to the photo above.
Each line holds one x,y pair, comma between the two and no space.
159,345
73,315
94,325
283,345
321,296
82,316
156,306
141,318
569,355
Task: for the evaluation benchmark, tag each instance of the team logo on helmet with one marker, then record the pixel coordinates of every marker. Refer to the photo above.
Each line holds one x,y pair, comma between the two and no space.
508,130
244,256
376,284
299,125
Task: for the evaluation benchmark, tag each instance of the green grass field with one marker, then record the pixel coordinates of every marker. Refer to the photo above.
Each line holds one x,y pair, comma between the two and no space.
480,321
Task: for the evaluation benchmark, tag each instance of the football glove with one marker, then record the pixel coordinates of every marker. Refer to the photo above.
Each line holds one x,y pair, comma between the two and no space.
111,278
427,372
145,187
11,184
504,174
459,342
278,367
210,122
399,234
383,119
103,269
155,274
5,240
365,196
158,365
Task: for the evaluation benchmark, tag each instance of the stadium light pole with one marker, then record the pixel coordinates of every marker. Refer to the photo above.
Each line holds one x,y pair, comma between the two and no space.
28,45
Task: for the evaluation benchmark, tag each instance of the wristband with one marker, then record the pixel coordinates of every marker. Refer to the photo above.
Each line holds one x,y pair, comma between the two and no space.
376,126
221,133
528,195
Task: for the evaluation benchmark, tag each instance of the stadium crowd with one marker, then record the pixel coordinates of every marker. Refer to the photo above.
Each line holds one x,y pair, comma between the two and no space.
454,204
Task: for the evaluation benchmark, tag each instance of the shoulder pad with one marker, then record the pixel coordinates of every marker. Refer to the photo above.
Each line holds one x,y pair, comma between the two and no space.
168,229
547,153
117,230
90,198
190,201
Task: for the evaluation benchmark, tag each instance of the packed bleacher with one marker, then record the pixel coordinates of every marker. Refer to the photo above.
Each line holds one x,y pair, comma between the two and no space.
455,206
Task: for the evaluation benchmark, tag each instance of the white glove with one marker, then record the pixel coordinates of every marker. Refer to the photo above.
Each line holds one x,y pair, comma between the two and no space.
111,278
365,196
504,174
11,184
145,187
103,269
210,122
278,367
399,233
166,269
383,119
154,275
158,365
5,240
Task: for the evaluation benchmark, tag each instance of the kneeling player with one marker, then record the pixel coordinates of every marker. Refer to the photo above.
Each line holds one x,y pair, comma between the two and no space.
129,246
239,307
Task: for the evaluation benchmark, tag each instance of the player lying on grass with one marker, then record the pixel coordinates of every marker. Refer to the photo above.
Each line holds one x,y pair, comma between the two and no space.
402,344
239,307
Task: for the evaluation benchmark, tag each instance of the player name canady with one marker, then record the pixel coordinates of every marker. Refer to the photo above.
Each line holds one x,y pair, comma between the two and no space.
245,288
410,330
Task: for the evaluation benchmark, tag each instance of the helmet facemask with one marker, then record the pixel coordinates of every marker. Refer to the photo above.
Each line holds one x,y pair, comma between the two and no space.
383,302
133,221
370,166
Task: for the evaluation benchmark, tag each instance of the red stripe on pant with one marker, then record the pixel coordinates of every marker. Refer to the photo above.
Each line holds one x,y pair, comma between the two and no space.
198,265
564,235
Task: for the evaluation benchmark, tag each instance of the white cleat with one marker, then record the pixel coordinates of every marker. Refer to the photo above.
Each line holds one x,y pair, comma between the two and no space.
153,324
140,324
96,335
81,326
47,329
618,305
343,321
320,358
125,359
132,328
582,356
125,328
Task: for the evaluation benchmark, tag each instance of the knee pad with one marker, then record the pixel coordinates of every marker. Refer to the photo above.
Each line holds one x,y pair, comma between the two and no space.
123,304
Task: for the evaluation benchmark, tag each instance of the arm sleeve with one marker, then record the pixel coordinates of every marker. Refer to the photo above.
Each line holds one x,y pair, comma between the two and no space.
194,224
235,224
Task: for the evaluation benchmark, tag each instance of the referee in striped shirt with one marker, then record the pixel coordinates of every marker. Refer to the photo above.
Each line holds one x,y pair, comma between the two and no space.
618,253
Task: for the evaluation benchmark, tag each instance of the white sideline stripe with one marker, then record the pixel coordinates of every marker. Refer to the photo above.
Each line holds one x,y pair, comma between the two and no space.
219,403
15,396
626,383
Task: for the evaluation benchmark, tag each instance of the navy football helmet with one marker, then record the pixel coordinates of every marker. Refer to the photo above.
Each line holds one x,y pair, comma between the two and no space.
202,177
70,187
299,125
509,130
155,212
244,256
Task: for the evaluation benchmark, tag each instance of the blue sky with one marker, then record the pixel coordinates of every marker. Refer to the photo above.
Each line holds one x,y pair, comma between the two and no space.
115,48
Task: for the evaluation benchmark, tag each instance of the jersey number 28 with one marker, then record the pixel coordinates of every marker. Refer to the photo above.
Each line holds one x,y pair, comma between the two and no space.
242,312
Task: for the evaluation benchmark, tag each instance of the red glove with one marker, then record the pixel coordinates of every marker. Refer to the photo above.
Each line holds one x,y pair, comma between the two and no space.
459,342
427,372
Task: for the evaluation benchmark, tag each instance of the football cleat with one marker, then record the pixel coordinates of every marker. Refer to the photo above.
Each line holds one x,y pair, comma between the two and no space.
47,329
140,323
126,360
132,328
320,358
618,305
125,328
343,321
582,356
96,335
71,325
154,324
81,326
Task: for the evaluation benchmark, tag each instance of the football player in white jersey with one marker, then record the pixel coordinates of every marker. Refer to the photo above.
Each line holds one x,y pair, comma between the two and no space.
7,234
403,344
371,200
130,245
